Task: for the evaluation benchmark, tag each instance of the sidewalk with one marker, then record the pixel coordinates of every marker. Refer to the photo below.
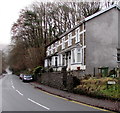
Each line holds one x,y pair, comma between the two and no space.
105,104
2,76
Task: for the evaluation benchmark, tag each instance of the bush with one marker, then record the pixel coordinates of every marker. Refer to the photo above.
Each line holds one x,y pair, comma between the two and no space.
37,70
76,81
98,88
112,73
50,69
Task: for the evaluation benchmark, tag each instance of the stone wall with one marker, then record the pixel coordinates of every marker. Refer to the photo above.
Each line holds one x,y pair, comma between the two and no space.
53,79
60,80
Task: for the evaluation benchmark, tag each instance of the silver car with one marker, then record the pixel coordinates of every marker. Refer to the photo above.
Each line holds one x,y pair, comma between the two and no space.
27,78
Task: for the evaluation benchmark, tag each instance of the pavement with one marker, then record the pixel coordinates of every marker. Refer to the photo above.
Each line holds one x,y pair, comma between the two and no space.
2,76
20,96
101,103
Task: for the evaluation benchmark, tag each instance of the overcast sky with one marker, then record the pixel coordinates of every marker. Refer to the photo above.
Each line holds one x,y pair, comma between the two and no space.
9,12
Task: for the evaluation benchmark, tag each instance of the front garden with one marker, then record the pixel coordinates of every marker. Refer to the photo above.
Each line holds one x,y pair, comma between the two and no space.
99,88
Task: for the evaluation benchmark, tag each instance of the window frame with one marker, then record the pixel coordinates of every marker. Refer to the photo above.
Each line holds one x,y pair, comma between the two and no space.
63,43
79,52
52,49
118,57
77,35
69,39
73,55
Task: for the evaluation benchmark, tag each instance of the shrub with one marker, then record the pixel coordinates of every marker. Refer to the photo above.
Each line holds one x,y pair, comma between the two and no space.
51,69
98,88
112,73
37,70
76,81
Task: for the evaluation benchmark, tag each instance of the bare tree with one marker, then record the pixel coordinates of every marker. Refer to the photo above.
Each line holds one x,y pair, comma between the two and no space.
40,24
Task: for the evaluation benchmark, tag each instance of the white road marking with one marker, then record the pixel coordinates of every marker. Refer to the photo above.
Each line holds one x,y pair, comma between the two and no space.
19,92
13,87
11,82
38,104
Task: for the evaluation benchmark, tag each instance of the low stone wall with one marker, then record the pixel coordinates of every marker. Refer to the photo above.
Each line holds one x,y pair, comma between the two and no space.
60,80
53,79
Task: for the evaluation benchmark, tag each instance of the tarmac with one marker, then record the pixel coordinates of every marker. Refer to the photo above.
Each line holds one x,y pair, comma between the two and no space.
100,103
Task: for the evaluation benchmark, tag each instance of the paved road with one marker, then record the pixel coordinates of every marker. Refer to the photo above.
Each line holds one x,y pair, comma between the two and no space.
19,96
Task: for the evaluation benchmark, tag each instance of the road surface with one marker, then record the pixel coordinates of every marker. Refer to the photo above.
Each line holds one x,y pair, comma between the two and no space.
19,96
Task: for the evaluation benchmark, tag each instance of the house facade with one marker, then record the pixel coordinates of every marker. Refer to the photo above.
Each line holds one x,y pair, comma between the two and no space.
94,42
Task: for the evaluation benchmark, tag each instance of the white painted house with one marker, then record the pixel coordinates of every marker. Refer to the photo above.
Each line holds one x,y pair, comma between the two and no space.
68,50
92,43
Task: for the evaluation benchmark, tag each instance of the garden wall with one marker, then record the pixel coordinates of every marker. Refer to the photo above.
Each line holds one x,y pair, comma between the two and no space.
53,79
59,80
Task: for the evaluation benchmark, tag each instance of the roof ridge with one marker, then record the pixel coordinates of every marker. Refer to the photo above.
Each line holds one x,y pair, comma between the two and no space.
101,12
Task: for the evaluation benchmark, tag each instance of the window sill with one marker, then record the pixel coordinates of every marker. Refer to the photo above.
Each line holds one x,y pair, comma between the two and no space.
76,63
77,42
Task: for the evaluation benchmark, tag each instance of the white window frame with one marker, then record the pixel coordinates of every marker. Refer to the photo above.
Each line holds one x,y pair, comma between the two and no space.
77,36
47,53
46,63
69,39
52,49
79,52
59,43
63,42
59,60
48,48
73,56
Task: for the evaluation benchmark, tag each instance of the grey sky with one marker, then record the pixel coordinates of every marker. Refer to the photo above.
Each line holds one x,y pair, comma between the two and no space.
9,12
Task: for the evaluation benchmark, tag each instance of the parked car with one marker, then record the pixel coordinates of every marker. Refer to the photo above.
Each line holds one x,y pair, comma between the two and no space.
21,76
27,78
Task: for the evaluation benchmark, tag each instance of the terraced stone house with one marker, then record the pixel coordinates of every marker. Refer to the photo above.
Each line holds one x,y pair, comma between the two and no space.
94,42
